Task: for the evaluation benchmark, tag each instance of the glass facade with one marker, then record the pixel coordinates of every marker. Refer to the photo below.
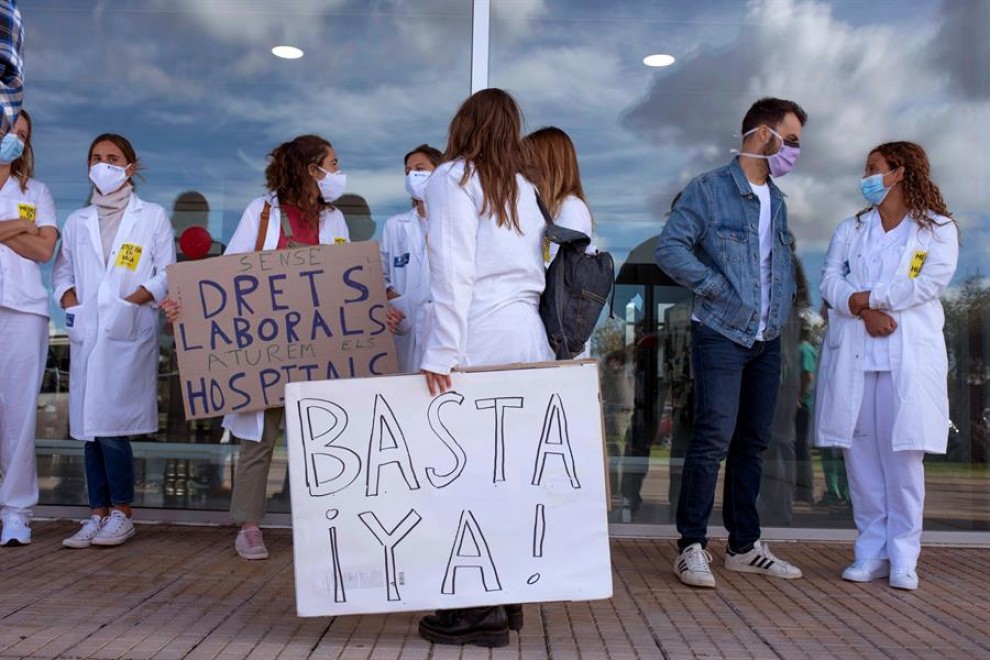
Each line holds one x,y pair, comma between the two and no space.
196,89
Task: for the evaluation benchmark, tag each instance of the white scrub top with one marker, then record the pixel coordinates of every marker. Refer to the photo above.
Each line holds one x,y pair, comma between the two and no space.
21,288
881,256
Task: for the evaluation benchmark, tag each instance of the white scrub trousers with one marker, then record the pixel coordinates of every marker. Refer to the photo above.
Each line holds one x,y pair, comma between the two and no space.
24,340
886,487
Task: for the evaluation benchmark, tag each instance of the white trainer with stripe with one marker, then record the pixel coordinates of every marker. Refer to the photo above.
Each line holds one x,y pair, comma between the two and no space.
692,567
760,560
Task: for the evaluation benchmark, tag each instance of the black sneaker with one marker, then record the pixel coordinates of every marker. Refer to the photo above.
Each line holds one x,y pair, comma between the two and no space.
481,626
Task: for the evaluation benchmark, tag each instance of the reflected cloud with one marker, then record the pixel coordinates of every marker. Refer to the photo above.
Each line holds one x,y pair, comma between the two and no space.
852,79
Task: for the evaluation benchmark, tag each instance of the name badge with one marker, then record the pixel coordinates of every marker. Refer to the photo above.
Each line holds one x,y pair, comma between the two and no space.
70,320
917,261
401,261
129,256
546,250
27,211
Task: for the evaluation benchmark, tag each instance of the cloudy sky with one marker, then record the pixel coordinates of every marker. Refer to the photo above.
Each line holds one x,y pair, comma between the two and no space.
193,84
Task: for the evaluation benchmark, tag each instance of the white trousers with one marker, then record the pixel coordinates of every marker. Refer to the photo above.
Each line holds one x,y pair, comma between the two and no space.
886,487
23,349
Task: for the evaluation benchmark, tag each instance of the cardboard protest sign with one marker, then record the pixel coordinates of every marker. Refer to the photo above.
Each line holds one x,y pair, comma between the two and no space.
491,493
250,323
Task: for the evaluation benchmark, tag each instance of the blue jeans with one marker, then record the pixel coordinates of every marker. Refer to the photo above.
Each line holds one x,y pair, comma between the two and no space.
735,393
109,472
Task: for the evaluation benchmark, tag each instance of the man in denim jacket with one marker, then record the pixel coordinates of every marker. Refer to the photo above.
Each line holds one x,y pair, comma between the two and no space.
727,240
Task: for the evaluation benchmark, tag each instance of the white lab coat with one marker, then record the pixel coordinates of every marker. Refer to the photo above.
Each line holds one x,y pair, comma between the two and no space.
407,271
918,360
333,229
113,343
485,280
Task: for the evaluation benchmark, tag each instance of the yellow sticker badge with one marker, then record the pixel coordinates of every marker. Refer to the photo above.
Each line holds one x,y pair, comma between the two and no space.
339,240
129,256
27,211
916,263
546,250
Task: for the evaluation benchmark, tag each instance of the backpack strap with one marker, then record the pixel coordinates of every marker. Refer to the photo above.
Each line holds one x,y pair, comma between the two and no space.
287,230
562,235
259,243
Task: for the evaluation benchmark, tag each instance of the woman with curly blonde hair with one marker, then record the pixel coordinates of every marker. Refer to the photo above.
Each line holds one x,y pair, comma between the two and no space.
882,394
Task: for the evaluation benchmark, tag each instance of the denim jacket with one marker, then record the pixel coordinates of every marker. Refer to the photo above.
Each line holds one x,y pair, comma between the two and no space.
711,245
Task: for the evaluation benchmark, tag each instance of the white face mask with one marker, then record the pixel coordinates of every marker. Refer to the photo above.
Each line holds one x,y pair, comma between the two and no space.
332,185
416,183
106,177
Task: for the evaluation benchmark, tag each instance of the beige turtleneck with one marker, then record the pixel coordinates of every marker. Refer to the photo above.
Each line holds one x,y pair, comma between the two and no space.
110,209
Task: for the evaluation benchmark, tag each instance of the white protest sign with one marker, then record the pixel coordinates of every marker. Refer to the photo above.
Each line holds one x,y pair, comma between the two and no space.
491,493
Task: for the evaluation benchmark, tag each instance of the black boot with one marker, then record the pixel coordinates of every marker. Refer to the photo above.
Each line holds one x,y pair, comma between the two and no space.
481,626
514,613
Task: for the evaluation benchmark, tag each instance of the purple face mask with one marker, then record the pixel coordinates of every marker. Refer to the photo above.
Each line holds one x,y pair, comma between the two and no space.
781,162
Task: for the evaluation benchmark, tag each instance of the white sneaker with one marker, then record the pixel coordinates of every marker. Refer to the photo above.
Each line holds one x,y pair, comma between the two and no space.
866,570
692,567
904,578
15,532
760,560
250,544
82,539
115,530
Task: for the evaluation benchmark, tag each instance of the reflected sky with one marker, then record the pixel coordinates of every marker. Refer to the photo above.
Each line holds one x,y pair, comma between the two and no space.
194,86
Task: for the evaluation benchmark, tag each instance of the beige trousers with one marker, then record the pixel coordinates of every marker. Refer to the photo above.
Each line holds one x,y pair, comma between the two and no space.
247,502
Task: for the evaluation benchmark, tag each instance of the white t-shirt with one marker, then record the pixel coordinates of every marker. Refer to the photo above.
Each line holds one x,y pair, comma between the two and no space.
21,288
766,246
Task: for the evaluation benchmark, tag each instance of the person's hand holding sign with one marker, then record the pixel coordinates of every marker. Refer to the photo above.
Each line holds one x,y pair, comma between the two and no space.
171,307
437,383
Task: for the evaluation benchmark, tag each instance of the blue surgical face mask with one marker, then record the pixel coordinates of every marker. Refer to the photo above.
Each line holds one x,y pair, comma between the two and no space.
11,148
873,189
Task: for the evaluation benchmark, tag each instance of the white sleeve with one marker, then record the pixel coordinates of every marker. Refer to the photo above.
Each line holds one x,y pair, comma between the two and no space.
46,216
383,248
937,269
574,214
453,241
835,288
163,256
64,274
246,234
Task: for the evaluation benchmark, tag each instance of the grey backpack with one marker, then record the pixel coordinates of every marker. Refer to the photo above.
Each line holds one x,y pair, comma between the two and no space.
577,288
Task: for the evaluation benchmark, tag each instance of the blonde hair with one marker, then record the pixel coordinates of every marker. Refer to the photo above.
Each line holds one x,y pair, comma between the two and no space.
23,167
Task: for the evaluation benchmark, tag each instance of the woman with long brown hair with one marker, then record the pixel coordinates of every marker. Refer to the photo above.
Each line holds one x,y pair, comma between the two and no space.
110,279
882,389
27,240
487,274
552,164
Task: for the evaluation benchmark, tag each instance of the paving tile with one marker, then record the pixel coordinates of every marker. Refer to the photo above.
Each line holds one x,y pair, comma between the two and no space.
181,592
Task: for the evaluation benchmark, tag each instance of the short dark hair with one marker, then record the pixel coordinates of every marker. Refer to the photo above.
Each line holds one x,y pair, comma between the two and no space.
770,112
432,154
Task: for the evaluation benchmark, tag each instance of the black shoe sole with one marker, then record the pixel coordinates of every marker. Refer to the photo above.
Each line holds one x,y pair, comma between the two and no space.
486,638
